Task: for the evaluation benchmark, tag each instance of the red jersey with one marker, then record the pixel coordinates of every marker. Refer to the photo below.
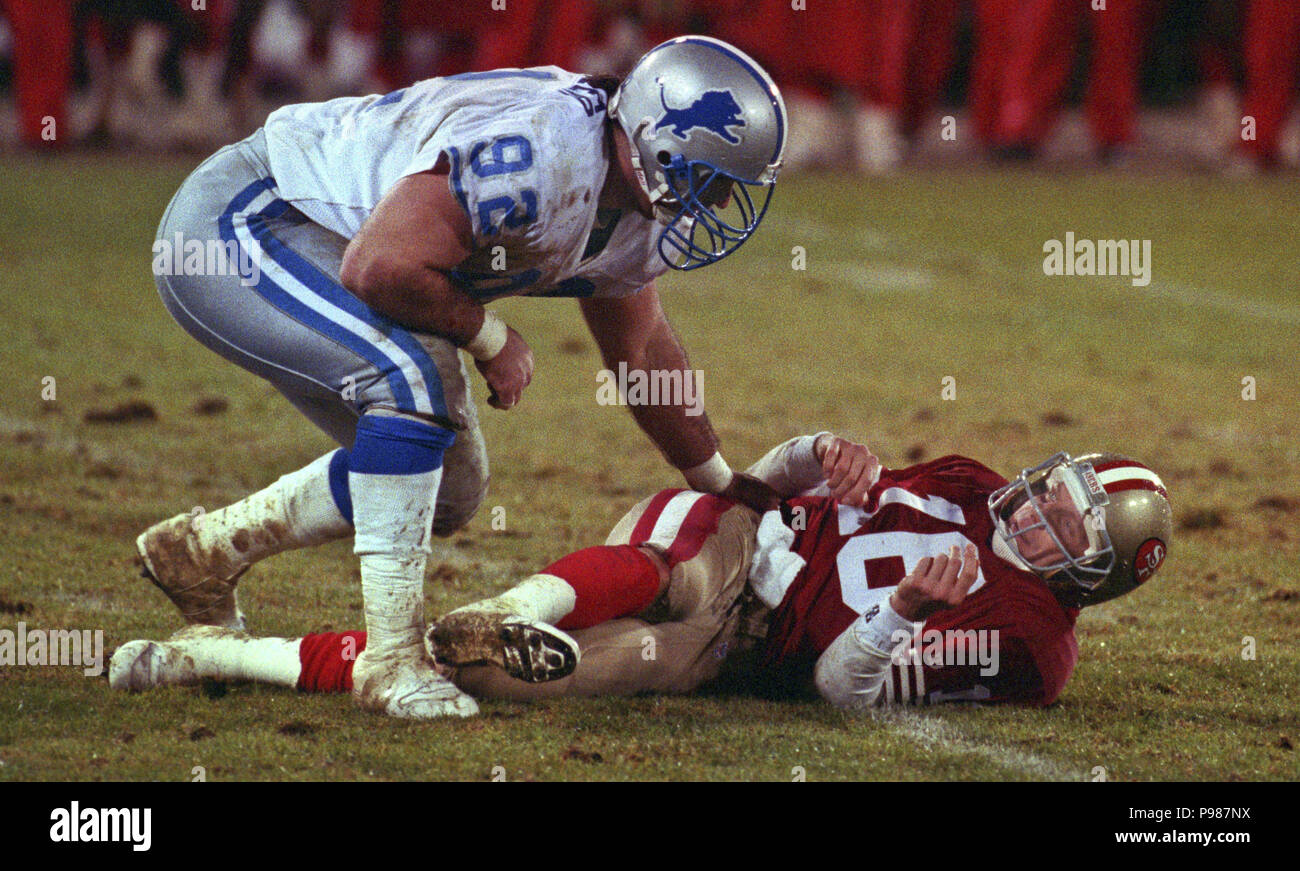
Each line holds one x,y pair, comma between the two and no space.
857,556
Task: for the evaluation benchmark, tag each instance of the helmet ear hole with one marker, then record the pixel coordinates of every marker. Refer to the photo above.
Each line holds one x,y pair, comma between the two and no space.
664,158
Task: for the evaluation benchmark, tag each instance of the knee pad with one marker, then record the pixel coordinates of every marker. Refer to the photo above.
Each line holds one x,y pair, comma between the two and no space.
464,483
387,444
392,444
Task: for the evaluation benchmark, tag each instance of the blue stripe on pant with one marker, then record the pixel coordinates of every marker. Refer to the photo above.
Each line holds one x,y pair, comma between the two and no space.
323,286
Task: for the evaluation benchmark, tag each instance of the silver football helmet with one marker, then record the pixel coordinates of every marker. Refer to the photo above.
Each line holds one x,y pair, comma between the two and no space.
1105,520
707,125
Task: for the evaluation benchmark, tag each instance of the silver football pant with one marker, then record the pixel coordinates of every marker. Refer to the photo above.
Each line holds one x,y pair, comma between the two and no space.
253,279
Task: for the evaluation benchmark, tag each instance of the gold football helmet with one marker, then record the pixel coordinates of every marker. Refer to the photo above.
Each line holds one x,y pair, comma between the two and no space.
1105,518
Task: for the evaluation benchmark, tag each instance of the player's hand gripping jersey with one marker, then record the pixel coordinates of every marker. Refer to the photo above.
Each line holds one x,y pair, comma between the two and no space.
527,155
856,557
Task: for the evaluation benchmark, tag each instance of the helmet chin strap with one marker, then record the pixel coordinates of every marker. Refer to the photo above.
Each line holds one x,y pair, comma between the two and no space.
663,214
1006,551
1069,596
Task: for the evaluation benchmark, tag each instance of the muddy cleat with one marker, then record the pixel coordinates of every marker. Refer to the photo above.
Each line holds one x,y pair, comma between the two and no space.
140,665
407,687
200,585
528,650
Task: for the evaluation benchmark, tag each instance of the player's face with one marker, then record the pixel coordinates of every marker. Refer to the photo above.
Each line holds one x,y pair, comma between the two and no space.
1036,545
716,193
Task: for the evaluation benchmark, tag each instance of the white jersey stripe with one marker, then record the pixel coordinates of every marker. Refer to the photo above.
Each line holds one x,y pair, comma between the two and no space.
920,681
935,506
670,520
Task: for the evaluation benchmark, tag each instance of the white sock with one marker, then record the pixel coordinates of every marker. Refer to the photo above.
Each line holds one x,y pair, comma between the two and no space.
239,657
298,510
393,516
547,598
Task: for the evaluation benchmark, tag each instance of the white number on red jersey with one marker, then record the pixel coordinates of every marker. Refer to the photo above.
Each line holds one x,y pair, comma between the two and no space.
856,587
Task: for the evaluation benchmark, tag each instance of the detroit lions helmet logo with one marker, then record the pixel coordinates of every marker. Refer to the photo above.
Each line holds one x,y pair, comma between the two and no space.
714,111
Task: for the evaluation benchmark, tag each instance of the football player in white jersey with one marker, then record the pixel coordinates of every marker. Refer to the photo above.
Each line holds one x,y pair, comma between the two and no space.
371,232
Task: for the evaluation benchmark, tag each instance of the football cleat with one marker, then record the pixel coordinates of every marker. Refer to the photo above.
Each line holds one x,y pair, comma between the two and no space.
196,583
527,650
140,665
407,686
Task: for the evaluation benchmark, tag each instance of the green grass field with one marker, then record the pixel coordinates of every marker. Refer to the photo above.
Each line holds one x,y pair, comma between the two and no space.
907,281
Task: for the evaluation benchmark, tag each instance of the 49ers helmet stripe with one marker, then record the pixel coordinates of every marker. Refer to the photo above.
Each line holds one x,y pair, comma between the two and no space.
1118,477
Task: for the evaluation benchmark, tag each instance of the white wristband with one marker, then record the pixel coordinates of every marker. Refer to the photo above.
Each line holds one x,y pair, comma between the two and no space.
711,476
491,338
881,629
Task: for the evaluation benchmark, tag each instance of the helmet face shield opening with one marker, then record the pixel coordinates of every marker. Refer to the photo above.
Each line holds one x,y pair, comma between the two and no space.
1054,516
709,213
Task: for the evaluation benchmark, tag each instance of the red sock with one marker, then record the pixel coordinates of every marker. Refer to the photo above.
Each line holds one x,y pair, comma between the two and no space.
610,581
327,659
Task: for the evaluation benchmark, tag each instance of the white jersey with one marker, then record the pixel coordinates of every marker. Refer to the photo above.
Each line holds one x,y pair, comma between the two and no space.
527,155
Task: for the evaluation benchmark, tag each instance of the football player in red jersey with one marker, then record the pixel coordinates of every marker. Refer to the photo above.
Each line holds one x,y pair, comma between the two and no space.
941,581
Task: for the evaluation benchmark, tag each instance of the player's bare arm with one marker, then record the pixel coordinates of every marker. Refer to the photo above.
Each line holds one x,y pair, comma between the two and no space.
393,264
634,331
396,264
